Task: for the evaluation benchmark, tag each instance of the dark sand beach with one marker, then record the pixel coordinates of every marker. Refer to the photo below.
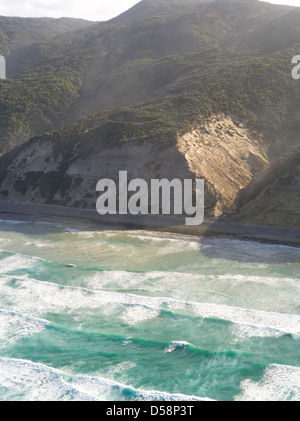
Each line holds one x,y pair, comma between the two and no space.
209,228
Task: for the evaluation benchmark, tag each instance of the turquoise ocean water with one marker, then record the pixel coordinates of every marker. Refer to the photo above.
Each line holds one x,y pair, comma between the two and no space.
136,315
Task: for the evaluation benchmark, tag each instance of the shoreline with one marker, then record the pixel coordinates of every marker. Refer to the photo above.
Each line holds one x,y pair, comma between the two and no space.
158,223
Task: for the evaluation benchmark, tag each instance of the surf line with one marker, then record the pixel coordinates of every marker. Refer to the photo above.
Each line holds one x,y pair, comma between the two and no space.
133,197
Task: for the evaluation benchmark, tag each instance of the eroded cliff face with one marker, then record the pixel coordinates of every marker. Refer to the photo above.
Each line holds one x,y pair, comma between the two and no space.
227,155
221,150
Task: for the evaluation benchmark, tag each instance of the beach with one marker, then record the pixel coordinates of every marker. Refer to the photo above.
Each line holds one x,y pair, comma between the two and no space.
210,228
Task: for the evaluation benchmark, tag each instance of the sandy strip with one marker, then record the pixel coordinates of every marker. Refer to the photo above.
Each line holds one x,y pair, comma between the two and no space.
228,229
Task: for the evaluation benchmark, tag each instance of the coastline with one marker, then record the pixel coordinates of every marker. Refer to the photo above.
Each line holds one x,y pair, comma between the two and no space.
159,223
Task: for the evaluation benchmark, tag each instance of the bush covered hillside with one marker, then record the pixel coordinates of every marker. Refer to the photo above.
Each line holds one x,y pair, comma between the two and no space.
153,74
274,199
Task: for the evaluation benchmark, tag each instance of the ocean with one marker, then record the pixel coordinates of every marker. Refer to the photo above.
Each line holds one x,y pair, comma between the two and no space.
96,313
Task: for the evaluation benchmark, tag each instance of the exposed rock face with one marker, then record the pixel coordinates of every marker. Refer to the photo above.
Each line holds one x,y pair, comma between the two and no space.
227,155
222,151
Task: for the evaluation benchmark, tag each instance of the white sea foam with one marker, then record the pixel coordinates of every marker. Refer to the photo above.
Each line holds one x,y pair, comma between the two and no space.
38,297
179,241
25,380
39,244
15,262
160,236
262,323
117,369
176,345
267,280
170,244
113,390
273,294
173,248
279,383
137,314
35,297
169,397
124,279
147,238
120,279
82,234
15,326
243,332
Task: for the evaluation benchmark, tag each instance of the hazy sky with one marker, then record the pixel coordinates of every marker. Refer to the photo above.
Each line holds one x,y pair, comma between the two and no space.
87,9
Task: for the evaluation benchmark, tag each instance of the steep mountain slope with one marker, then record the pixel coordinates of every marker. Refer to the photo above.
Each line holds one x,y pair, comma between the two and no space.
168,89
143,54
274,199
19,35
28,99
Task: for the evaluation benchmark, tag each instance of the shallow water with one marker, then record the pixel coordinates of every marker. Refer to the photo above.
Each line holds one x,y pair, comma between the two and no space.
134,315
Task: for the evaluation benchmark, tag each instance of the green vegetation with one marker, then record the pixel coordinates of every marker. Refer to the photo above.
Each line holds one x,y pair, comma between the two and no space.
190,58
274,199
153,72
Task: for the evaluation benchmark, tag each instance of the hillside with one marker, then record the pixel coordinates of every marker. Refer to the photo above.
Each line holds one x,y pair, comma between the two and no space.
189,88
64,167
274,199
27,99
20,36
157,49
